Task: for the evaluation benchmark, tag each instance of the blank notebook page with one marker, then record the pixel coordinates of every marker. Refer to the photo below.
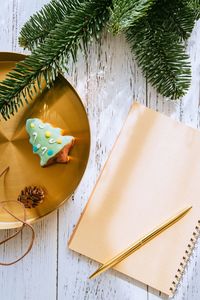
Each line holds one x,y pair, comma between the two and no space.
152,173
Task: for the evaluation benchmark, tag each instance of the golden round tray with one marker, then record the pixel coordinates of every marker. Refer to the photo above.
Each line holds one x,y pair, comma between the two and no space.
60,106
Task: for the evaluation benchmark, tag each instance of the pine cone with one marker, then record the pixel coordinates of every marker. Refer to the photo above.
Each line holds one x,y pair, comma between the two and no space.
31,196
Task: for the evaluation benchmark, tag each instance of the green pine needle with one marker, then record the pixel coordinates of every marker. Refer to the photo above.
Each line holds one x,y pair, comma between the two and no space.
195,6
155,29
37,28
156,41
127,12
178,17
75,31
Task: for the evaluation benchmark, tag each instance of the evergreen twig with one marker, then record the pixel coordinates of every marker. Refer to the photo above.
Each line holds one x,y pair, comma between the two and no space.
76,30
195,6
126,12
156,30
156,41
37,28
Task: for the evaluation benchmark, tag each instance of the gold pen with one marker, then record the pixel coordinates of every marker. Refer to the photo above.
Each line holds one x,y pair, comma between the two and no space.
141,242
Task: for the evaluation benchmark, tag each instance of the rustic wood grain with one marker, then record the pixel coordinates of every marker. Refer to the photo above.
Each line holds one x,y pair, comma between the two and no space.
35,276
108,80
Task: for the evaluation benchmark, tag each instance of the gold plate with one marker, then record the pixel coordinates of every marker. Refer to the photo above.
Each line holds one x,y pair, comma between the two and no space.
62,107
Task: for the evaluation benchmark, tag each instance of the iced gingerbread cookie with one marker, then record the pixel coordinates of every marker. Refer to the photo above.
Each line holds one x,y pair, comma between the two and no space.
48,142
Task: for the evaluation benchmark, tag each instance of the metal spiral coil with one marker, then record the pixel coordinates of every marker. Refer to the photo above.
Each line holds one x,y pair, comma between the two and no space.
186,257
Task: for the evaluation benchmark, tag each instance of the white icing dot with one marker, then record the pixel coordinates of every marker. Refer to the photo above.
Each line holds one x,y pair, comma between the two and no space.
38,146
41,126
35,136
44,150
52,141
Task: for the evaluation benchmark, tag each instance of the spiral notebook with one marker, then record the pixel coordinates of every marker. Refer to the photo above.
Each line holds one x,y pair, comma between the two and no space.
152,173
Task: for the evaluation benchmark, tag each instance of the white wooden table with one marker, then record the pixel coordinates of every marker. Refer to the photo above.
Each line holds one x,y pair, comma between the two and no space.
107,80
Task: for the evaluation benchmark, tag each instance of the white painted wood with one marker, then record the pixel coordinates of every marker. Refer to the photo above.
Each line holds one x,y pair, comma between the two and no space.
107,80
35,277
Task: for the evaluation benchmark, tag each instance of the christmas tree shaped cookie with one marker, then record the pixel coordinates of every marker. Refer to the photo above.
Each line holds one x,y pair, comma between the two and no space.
48,142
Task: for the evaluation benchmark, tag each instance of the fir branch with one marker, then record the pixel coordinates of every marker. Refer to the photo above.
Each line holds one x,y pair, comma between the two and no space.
154,28
127,12
77,29
37,28
156,41
195,6
178,17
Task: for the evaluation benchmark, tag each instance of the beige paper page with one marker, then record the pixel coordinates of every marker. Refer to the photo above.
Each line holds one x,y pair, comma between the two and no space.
153,172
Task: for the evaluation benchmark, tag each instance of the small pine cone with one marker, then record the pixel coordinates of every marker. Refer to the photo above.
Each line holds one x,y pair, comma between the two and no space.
31,196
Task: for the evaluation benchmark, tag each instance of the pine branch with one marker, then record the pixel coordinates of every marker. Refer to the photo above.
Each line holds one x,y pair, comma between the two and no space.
37,28
77,29
156,42
127,12
195,6
178,17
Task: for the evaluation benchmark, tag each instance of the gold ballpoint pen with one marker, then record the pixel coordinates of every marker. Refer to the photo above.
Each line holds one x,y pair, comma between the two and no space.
140,243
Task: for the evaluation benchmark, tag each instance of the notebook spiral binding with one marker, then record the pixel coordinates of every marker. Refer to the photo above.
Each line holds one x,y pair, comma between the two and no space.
185,259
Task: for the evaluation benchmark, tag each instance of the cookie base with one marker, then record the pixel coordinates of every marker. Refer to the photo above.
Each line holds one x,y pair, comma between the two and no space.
62,156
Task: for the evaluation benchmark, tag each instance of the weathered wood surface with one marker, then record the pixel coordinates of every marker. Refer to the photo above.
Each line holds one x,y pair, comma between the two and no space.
107,80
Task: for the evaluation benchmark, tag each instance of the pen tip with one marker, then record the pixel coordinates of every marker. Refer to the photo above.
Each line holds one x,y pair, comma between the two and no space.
92,276
97,272
186,210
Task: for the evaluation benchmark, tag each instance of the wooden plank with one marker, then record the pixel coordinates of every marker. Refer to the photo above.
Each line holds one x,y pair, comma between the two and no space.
35,276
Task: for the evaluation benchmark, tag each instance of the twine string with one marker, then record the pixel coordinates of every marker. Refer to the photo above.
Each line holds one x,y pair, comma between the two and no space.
24,224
